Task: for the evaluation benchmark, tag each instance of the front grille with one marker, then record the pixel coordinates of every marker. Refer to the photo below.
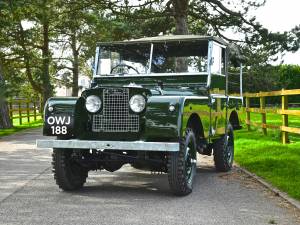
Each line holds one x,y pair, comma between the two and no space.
115,116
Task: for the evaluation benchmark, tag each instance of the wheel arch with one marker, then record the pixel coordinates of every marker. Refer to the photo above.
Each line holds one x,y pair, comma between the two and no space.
234,120
194,122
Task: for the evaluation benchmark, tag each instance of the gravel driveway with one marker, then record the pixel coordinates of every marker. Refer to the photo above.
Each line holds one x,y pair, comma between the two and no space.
28,194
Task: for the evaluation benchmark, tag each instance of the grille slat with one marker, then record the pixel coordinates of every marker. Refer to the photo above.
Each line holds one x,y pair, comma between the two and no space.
115,115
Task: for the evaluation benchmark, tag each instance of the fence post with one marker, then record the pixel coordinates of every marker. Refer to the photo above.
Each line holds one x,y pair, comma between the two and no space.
41,106
11,112
28,113
34,110
248,113
285,119
262,102
20,113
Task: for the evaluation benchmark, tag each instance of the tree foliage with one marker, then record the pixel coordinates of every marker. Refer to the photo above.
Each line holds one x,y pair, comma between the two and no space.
40,40
230,20
29,48
271,78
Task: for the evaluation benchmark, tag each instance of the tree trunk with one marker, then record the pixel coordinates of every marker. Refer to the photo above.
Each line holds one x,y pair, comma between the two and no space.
5,121
180,16
75,65
35,85
181,25
48,88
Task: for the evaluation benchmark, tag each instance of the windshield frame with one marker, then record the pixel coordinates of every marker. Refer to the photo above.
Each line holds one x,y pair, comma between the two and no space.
211,44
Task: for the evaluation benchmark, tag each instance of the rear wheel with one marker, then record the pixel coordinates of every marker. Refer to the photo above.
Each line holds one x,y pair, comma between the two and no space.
224,151
182,165
69,175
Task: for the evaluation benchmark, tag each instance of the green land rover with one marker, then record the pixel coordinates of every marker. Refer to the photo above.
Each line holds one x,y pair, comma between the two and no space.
154,103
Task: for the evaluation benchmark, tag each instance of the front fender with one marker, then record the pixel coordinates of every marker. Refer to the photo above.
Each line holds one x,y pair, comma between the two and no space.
59,115
161,123
196,105
170,126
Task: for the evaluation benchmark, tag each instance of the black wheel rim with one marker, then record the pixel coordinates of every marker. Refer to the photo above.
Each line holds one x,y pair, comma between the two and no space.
229,148
190,161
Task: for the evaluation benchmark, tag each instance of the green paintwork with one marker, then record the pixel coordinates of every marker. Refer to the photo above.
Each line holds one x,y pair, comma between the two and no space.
62,101
160,122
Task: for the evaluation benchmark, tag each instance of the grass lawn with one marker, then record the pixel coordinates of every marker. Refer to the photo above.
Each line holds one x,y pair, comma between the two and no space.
25,125
265,155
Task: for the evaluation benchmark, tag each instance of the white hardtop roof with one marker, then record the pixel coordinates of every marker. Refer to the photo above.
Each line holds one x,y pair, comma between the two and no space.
167,38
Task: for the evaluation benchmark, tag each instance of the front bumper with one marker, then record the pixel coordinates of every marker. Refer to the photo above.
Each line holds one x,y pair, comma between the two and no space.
112,145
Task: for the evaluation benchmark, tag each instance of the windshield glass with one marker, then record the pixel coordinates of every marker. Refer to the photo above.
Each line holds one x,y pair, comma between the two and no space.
124,59
169,57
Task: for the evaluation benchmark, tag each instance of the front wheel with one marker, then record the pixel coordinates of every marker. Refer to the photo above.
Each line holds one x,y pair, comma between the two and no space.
182,165
224,151
69,175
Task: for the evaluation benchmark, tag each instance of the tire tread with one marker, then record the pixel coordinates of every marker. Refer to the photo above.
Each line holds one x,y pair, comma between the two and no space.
62,176
176,161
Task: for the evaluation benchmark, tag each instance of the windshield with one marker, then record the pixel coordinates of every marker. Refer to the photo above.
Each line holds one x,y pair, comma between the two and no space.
124,59
134,59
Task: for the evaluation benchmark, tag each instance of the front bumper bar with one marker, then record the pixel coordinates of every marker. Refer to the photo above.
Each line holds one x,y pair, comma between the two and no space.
112,145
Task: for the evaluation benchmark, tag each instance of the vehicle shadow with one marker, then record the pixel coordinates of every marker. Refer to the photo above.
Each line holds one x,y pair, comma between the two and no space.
136,183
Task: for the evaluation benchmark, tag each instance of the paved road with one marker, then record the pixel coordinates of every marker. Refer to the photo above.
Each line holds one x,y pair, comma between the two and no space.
28,195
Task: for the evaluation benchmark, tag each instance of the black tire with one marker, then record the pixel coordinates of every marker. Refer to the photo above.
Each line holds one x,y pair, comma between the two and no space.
224,151
182,165
68,174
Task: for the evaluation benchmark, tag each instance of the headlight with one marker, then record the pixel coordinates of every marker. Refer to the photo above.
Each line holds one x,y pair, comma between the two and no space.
93,103
137,103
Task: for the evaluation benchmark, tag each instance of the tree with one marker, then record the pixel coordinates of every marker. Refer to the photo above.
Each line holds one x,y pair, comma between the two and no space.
289,76
5,121
81,24
75,28
30,47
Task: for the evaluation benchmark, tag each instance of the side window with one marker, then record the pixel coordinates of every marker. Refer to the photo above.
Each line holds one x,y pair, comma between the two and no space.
216,66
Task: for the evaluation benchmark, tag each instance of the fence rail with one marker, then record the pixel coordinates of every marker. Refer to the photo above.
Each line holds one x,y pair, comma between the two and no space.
284,112
24,108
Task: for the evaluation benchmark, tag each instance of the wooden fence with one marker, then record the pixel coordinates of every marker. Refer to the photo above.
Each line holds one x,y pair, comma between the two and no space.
24,108
263,110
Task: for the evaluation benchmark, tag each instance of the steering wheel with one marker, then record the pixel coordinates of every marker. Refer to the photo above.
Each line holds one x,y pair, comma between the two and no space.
124,65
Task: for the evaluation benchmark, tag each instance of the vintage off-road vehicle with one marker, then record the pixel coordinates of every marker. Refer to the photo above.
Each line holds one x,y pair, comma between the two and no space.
153,103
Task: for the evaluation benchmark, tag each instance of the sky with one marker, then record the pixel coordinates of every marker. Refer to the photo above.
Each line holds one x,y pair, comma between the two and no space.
281,15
